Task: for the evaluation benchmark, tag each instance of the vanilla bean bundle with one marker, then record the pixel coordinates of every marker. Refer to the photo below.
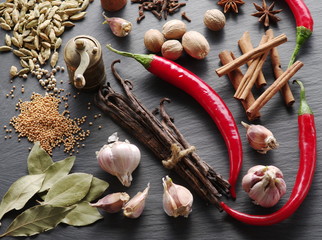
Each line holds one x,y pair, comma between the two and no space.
162,138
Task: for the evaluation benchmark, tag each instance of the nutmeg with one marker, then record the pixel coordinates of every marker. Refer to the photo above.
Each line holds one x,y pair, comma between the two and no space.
172,49
174,29
195,44
214,19
153,40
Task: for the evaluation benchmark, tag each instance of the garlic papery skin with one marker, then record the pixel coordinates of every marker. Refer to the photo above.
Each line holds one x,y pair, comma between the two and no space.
264,184
177,200
119,26
119,159
136,205
260,138
113,202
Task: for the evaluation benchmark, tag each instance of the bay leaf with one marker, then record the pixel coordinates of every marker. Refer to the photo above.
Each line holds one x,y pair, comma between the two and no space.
38,159
69,190
56,171
20,192
36,219
97,188
84,214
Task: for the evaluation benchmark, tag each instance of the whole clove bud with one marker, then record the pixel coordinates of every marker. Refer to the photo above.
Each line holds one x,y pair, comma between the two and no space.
136,205
113,202
119,26
177,200
264,184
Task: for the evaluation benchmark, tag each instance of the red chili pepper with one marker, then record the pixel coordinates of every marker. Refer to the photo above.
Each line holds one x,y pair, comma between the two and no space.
304,24
304,178
208,99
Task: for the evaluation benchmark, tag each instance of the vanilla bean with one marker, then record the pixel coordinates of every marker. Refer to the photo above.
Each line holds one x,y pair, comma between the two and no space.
159,136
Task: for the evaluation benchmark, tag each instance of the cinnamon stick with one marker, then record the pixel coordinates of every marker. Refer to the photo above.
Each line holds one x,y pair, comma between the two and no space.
235,77
256,52
252,73
245,45
273,89
278,71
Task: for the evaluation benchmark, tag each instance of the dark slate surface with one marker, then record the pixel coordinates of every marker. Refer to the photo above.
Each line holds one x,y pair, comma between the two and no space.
205,222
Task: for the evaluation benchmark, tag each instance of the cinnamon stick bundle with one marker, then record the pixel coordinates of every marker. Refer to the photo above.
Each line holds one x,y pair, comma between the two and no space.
245,45
162,138
278,71
235,77
251,74
273,89
255,53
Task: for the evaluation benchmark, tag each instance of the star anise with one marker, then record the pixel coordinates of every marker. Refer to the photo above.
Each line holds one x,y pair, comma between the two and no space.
230,4
266,14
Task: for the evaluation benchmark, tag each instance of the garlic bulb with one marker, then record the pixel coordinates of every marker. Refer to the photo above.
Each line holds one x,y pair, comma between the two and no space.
136,205
177,200
113,202
119,159
264,184
119,26
260,138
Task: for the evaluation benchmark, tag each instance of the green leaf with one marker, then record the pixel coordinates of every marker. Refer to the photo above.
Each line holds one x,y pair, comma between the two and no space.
84,214
20,192
97,188
37,219
69,190
38,159
56,171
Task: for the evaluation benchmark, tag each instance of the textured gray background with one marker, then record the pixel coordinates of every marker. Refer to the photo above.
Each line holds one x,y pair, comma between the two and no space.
205,222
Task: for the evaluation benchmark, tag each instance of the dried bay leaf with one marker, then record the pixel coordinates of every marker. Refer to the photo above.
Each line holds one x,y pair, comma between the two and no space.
38,160
84,214
36,220
20,192
98,187
69,190
56,171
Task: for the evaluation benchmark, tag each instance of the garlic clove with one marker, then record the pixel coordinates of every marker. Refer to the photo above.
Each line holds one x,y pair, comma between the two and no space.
113,202
260,138
119,26
119,159
264,184
136,205
177,200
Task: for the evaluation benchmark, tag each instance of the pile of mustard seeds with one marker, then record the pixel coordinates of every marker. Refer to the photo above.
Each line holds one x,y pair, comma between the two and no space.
40,120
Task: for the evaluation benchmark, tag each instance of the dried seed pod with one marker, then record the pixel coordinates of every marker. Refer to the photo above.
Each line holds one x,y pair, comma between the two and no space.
15,42
68,24
23,63
32,24
5,48
18,53
45,44
5,26
13,72
77,16
25,51
54,59
29,39
31,64
72,11
23,71
8,40
58,43
84,5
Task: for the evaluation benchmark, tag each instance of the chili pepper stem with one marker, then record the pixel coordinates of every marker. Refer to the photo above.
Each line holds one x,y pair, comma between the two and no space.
144,59
302,34
304,107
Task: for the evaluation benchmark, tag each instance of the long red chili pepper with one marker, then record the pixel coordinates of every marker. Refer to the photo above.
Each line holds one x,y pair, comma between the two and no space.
304,24
304,178
208,99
